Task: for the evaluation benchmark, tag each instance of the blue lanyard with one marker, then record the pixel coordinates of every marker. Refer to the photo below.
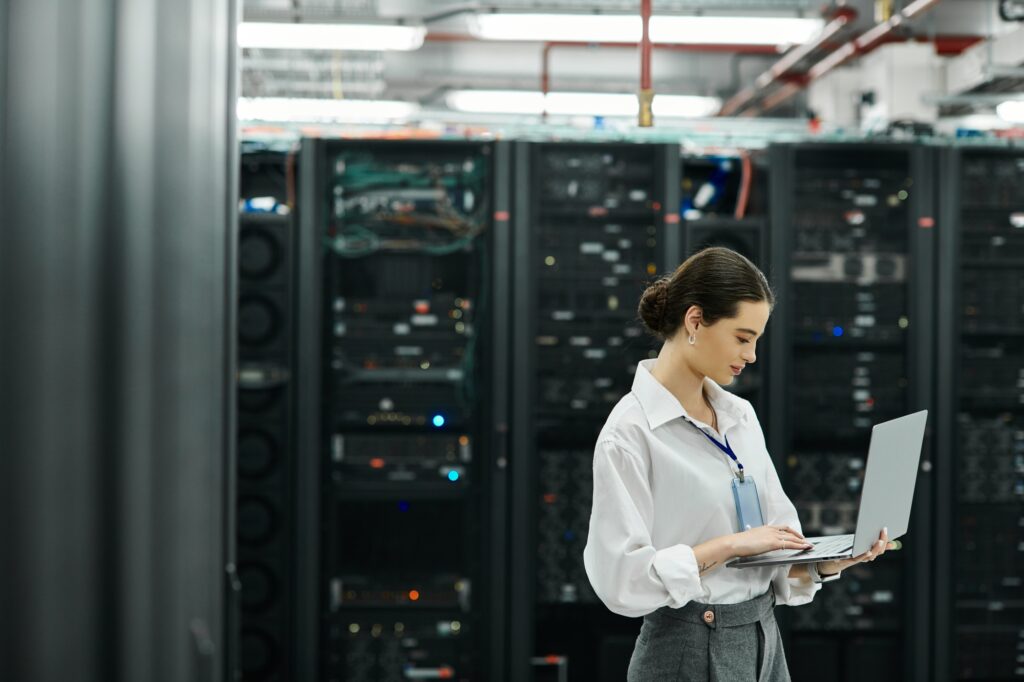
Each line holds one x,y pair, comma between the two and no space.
727,449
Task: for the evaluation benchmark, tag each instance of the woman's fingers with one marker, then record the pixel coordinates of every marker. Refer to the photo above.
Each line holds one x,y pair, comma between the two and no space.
789,538
882,544
877,549
784,537
787,529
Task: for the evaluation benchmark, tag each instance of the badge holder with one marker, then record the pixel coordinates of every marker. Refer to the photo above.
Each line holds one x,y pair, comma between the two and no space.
748,505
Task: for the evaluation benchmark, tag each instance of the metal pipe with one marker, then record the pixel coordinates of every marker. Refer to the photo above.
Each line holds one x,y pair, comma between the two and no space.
545,58
545,80
451,11
646,115
794,56
856,47
788,61
443,37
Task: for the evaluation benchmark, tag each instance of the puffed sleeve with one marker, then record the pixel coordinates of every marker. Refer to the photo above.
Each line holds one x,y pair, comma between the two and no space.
780,511
629,575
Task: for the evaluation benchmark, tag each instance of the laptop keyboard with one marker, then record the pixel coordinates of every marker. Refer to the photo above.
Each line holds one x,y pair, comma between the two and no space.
832,545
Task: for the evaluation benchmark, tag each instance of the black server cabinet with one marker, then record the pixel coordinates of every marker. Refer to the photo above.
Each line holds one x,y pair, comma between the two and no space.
723,202
593,223
853,247
265,441
403,371
979,588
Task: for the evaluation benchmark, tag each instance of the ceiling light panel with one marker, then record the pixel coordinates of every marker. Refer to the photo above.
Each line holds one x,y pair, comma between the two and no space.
330,36
301,110
577,103
620,28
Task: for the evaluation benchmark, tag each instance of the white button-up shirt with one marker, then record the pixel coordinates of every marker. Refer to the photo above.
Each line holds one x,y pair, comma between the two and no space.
661,488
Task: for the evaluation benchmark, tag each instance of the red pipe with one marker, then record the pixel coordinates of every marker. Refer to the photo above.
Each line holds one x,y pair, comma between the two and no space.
645,45
646,115
545,79
745,182
545,60
951,45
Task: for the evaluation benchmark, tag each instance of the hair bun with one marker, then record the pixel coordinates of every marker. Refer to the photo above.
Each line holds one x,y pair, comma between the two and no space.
653,304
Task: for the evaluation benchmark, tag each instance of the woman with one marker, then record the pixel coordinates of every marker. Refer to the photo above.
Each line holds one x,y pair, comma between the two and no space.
664,517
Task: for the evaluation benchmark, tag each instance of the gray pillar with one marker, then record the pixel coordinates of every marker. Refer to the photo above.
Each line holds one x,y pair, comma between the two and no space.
116,140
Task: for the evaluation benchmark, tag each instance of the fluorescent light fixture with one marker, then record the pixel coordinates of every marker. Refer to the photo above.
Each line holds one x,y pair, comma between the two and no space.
496,101
734,30
298,110
606,28
577,103
1011,110
331,36
592,103
685,106
620,28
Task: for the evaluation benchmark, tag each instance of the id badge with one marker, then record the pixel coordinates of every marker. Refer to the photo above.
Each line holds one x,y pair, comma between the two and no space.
748,505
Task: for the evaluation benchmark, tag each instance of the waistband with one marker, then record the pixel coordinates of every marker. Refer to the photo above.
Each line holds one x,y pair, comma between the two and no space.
723,615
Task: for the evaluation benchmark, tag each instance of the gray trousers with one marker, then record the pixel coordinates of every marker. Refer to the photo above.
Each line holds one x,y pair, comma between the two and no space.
711,643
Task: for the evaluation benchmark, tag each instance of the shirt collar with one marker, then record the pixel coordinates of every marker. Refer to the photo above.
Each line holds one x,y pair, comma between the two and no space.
660,406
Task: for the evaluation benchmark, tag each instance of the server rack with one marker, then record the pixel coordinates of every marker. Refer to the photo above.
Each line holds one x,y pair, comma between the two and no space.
854,247
403,373
723,202
592,224
266,452
979,598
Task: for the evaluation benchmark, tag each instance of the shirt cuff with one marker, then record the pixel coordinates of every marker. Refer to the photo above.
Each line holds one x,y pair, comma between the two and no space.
793,591
676,566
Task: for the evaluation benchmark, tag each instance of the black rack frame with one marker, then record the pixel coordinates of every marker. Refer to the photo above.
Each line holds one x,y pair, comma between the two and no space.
523,480
920,395
494,445
949,331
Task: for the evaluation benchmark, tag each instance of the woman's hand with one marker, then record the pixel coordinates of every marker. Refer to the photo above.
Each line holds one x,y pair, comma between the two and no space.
767,539
877,550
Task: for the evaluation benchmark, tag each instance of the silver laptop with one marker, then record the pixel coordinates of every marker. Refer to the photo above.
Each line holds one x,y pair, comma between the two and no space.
885,498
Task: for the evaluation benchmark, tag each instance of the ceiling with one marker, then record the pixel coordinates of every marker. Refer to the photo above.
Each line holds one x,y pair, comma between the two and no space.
451,59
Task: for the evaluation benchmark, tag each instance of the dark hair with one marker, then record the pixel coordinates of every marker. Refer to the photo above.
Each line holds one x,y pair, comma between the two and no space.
715,278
